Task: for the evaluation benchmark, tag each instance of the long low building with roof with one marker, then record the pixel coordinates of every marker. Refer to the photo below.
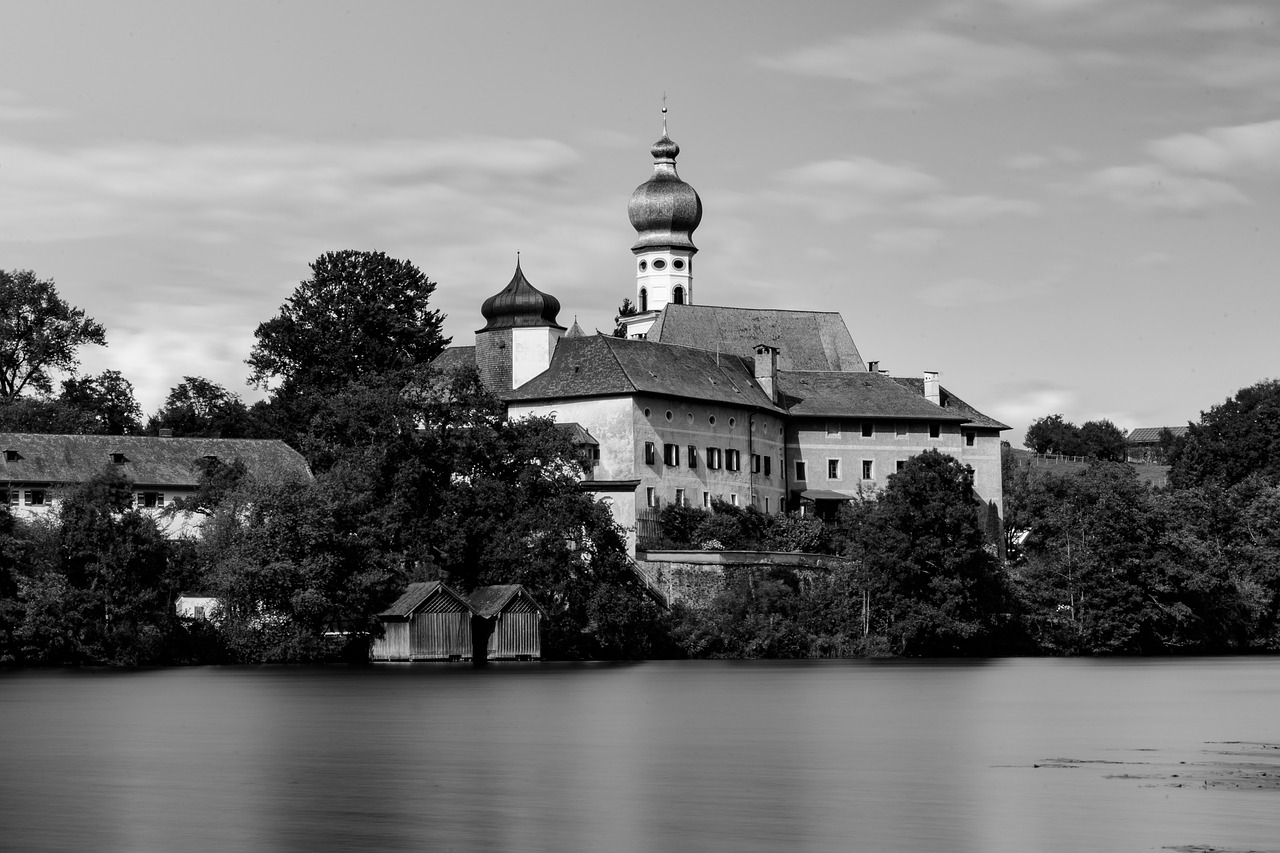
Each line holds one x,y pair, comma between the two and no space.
773,408
37,468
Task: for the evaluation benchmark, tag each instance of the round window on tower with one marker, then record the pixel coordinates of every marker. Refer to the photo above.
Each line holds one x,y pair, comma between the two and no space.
644,265
659,264
647,412
668,414
733,422
678,264
711,419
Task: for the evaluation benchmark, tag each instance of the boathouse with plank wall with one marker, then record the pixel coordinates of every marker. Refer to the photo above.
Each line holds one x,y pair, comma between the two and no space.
429,622
507,624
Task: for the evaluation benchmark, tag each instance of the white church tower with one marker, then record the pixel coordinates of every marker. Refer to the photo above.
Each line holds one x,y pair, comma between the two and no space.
664,210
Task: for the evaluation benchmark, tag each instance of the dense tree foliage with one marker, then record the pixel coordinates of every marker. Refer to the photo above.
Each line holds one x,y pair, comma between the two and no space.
1233,441
1096,439
197,407
39,333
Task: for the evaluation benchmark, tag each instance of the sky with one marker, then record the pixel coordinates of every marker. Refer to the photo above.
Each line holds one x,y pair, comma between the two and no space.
1063,206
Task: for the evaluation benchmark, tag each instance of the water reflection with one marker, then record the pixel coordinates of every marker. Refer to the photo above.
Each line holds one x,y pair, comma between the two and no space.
697,756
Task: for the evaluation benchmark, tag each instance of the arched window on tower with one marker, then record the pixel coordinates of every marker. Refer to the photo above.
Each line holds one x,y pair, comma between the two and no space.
677,296
644,299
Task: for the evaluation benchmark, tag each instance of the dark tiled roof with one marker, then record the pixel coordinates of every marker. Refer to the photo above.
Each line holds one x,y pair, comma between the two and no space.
868,395
419,594
602,366
147,460
454,358
488,601
952,402
578,434
1151,435
805,340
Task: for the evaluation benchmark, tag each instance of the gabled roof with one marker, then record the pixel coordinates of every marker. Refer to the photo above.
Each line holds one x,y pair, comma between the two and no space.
578,434
867,395
952,402
418,596
146,460
603,366
454,358
1151,435
805,340
489,601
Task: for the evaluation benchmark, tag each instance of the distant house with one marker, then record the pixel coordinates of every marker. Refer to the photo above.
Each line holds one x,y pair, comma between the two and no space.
1143,443
429,622
36,468
507,624
197,605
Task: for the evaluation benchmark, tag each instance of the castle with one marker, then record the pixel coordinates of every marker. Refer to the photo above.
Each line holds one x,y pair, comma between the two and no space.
770,408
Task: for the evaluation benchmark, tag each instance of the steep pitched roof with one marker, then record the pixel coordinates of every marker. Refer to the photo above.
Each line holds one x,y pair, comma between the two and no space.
1151,435
455,357
489,601
868,395
952,402
417,595
603,366
146,460
805,340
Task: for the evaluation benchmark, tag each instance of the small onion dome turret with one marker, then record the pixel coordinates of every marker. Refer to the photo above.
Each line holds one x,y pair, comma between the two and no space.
520,304
664,210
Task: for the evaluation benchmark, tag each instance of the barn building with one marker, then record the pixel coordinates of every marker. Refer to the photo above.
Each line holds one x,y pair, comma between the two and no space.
507,624
429,622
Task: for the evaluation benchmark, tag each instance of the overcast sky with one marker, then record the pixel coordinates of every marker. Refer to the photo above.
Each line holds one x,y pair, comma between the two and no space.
1062,205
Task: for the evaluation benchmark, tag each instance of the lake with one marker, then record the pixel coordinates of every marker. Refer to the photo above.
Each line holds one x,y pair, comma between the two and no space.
997,755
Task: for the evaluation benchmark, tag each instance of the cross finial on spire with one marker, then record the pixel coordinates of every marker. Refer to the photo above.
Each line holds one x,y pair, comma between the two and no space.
664,113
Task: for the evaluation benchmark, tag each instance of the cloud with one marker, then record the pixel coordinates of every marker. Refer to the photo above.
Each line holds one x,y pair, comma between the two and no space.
837,190
1055,156
1235,150
972,209
13,108
1151,187
908,66
910,241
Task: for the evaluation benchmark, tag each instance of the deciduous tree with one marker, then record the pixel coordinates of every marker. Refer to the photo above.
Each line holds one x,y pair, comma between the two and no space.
39,333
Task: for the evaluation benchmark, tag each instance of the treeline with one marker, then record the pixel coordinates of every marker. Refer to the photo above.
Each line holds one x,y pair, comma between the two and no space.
418,475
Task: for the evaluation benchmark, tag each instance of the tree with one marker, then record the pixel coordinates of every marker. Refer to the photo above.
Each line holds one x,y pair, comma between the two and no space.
200,408
1103,440
106,400
360,314
39,333
626,309
1053,434
1234,440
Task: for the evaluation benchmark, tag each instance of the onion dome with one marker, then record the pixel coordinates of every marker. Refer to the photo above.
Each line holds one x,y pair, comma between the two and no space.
520,304
664,210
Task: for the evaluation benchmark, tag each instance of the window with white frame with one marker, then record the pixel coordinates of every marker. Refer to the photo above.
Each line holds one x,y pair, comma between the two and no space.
713,458
650,453
693,457
706,500
680,501
833,469
651,497
733,498
671,454
732,460
868,470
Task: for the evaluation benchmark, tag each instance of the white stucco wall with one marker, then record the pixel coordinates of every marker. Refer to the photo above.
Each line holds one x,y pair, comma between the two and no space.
531,349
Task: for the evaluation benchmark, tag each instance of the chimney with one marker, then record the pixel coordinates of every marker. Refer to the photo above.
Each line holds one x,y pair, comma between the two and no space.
931,388
873,367
767,370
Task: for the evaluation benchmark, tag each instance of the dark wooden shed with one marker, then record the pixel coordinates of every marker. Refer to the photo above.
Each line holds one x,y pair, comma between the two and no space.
429,622
508,623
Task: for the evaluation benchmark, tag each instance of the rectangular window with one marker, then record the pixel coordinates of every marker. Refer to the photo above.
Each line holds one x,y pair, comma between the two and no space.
680,501
969,438
11,497
755,463
732,460
868,429
733,498
706,500
651,497
801,474
671,454
35,497
766,506
833,427
150,499
902,463
833,469
650,453
935,430
867,470
11,456
713,458
900,429
693,457
768,466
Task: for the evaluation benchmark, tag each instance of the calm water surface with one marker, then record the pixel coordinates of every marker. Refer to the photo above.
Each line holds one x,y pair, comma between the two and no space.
682,756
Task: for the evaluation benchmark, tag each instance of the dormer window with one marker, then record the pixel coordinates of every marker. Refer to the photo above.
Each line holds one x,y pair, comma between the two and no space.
118,459
12,456
209,458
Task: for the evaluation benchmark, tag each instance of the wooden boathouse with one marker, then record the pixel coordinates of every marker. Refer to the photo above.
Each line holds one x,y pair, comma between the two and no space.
429,622
507,624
